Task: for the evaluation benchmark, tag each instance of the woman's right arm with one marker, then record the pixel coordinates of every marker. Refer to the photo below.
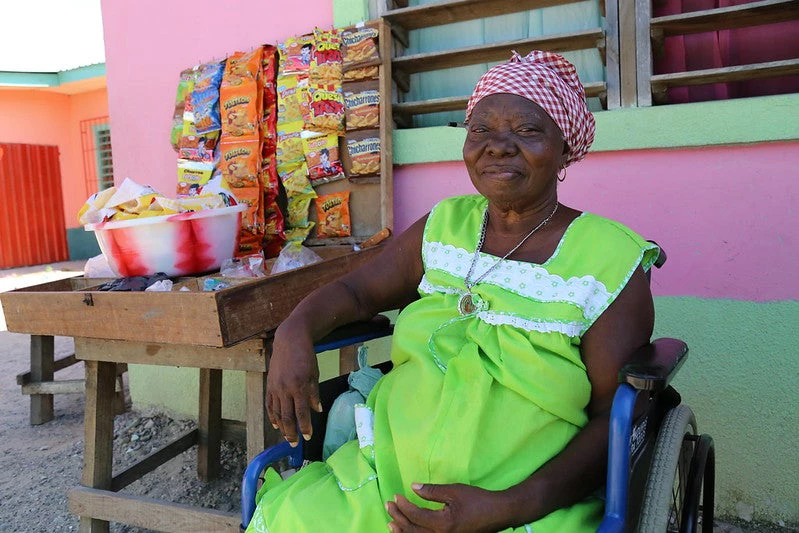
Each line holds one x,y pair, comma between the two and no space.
387,282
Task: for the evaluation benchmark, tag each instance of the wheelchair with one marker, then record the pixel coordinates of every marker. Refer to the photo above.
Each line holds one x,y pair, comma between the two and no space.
659,467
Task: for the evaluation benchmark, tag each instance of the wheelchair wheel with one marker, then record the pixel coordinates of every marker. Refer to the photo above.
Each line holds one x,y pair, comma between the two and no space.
667,482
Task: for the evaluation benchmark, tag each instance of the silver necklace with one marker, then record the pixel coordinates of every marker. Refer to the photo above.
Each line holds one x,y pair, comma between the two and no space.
466,305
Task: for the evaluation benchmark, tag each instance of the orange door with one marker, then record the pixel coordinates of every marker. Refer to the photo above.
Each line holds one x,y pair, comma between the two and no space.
32,230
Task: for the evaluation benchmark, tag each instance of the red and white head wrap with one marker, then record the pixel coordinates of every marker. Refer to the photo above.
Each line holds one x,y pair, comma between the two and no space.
550,81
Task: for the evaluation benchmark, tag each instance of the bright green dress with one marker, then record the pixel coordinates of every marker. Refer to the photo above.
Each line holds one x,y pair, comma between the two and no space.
483,399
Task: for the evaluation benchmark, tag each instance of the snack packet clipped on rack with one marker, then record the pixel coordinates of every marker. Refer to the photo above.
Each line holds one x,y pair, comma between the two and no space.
360,52
333,214
362,102
239,163
295,55
321,156
289,147
205,98
363,150
327,109
192,176
185,84
300,193
326,62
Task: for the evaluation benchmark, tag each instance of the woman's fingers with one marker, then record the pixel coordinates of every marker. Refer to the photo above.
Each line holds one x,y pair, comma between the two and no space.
271,411
303,415
288,419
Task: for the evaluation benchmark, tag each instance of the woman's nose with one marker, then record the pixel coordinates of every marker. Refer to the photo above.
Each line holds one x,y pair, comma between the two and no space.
500,145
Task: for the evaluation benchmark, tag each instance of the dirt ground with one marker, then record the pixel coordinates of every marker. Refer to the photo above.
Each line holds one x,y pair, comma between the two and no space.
38,464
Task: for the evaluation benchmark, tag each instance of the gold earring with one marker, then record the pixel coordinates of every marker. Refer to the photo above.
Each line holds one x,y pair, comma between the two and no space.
562,178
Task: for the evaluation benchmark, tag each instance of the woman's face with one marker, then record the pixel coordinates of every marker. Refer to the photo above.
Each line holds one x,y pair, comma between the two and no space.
513,151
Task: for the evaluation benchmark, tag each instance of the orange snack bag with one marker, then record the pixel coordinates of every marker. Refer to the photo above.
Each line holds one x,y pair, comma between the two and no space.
321,156
240,163
241,112
363,107
326,62
333,214
242,68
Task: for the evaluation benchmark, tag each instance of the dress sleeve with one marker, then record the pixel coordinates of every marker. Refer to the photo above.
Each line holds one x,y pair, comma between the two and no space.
609,254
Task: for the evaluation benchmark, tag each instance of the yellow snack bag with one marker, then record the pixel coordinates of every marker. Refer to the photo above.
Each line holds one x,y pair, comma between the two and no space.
289,147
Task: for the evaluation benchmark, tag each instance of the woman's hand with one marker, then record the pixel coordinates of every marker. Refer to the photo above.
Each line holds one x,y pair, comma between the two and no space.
466,509
292,385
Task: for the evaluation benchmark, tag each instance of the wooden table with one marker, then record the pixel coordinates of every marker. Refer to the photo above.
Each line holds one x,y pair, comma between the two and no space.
98,500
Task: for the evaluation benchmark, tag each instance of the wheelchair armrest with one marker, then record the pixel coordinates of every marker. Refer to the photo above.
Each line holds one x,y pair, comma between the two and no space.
379,326
249,485
655,365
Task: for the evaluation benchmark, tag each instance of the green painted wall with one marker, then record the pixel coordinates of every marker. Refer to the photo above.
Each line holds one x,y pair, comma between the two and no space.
740,379
746,120
81,243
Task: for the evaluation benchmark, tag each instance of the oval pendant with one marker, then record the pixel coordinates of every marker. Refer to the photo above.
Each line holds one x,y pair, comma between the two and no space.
466,305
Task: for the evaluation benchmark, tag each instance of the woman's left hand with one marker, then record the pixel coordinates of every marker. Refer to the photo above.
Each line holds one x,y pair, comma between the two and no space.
466,509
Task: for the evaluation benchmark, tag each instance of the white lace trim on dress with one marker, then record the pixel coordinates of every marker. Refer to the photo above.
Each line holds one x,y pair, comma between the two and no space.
524,279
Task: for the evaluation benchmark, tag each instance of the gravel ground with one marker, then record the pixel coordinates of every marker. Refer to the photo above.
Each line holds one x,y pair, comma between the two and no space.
38,464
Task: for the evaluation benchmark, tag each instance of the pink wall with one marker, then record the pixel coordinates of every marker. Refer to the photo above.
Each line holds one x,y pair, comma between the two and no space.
148,43
42,117
727,216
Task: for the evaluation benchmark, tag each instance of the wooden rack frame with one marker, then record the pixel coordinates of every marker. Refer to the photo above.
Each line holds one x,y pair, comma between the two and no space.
404,19
651,32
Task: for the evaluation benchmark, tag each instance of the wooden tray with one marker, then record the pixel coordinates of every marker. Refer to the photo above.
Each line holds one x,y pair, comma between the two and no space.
70,307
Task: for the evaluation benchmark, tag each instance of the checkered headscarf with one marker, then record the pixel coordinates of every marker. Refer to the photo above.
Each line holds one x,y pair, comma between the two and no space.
550,81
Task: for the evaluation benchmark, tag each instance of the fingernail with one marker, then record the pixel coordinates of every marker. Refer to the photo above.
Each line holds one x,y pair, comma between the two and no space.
416,486
293,444
319,407
275,426
306,436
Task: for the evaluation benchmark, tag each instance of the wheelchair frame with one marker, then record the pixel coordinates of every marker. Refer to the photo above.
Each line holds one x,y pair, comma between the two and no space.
641,474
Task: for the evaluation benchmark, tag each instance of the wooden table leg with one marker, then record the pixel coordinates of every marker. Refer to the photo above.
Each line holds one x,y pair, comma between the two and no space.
42,369
256,413
98,435
209,424
348,359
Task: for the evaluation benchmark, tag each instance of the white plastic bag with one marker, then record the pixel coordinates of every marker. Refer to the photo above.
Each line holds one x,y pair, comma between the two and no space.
294,255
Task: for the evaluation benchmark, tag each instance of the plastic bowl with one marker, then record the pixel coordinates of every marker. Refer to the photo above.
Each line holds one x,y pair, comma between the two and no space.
178,245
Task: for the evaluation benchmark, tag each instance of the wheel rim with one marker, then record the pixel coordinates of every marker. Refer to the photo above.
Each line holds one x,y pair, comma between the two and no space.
679,488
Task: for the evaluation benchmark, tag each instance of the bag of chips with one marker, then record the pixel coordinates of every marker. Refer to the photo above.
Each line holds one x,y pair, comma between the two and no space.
333,214
327,109
299,193
359,47
185,85
362,103
242,68
205,98
364,73
363,155
192,176
241,112
321,156
289,147
326,62
239,163
295,55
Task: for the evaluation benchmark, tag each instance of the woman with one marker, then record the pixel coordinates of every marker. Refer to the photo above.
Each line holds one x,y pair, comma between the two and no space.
518,314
